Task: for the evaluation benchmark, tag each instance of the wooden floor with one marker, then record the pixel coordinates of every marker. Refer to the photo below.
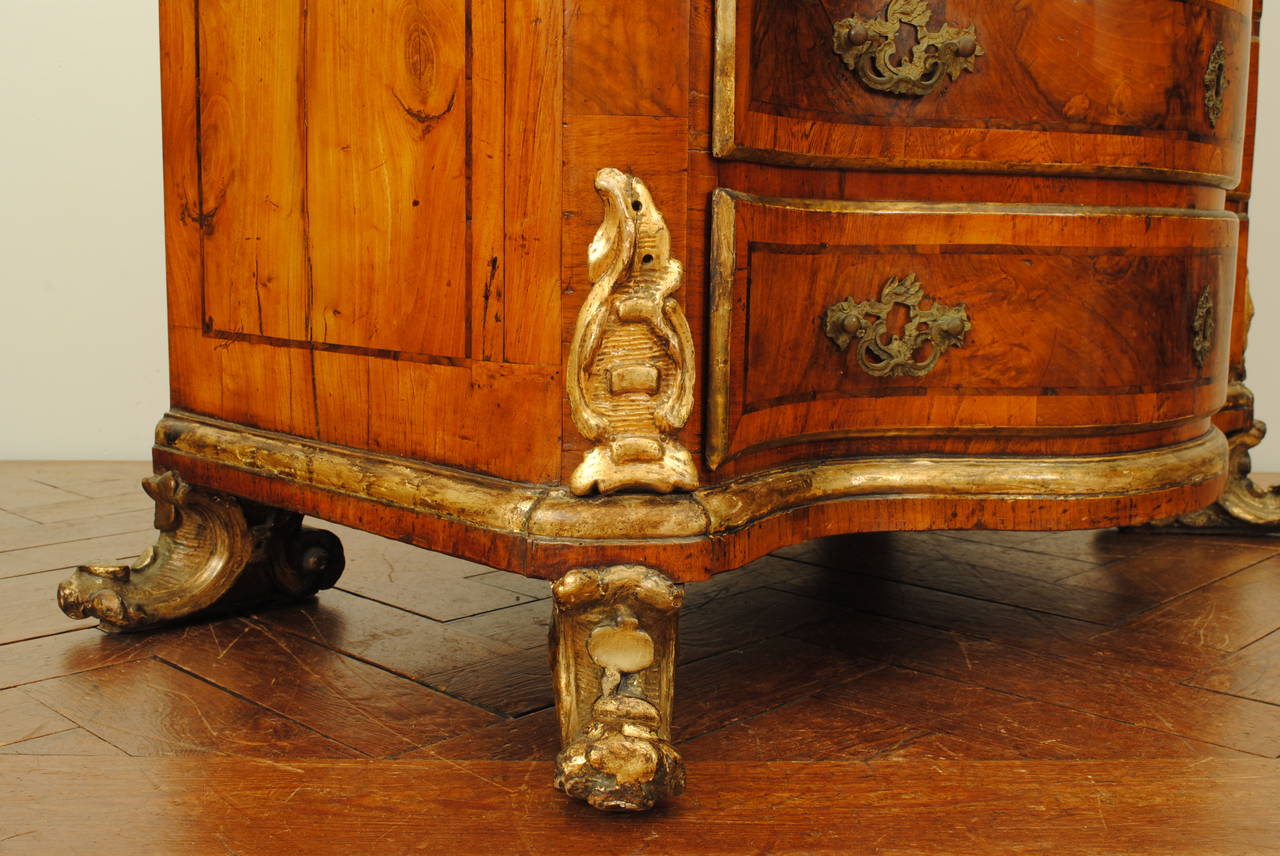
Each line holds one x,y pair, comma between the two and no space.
1095,692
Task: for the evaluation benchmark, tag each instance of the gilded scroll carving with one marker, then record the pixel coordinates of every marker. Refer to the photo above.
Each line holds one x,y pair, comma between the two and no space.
868,47
630,372
208,543
925,337
613,652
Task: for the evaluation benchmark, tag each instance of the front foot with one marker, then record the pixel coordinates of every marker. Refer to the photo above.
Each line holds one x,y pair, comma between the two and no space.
613,652
215,553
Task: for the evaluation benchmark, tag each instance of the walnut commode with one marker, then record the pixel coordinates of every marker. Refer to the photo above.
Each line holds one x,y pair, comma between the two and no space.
625,301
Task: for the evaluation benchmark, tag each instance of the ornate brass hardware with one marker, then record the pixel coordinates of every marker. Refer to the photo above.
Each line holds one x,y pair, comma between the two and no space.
925,337
1215,84
1202,325
868,46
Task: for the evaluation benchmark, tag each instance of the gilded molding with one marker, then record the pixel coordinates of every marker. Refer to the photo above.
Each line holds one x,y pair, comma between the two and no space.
630,373
879,352
613,642
868,47
207,542
546,515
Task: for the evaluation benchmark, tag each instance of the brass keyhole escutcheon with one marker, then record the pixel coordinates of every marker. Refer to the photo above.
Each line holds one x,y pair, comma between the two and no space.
874,49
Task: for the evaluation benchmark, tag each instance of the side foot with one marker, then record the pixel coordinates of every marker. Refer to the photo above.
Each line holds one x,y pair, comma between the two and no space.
1244,508
214,553
613,654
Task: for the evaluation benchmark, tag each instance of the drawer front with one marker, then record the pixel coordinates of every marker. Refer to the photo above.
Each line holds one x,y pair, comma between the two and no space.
839,319
1120,87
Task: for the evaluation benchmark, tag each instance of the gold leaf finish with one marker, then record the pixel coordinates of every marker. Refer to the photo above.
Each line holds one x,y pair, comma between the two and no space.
869,46
207,543
926,336
630,373
613,650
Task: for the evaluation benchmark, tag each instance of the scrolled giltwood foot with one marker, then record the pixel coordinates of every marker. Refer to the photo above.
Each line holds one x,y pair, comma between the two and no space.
214,553
1244,507
613,653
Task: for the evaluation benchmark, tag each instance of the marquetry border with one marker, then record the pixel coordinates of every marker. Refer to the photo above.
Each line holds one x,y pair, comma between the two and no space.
724,260
724,130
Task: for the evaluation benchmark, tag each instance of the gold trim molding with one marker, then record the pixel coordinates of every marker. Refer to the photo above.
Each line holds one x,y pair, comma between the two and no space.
544,514
630,374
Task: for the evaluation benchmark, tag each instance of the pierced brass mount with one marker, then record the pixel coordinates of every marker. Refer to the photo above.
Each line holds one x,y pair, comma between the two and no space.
868,47
1203,326
1215,84
925,337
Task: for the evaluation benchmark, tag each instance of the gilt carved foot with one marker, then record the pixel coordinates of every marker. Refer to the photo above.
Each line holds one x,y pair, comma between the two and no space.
613,653
215,553
1244,507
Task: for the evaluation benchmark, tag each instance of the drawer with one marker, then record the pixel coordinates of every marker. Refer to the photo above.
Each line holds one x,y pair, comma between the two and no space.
1113,87
863,319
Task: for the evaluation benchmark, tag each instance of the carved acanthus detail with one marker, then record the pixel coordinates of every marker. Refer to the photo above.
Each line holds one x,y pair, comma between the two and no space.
630,374
613,652
207,544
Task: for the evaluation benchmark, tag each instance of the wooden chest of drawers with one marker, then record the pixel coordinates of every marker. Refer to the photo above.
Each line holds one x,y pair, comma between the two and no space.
861,265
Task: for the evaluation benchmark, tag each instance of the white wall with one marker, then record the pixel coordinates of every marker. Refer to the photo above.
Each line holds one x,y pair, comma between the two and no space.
82,327
83,369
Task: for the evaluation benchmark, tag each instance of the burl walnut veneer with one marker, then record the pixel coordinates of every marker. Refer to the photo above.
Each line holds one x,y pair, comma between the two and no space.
625,295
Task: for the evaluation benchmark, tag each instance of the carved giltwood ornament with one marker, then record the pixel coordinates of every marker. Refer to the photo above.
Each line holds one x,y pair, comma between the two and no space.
926,336
613,654
630,373
213,552
868,47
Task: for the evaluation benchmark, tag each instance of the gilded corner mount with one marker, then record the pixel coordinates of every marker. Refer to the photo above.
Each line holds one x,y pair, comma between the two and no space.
630,373
925,337
869,46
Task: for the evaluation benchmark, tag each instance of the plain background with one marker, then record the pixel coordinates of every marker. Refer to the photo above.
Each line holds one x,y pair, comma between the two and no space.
83,372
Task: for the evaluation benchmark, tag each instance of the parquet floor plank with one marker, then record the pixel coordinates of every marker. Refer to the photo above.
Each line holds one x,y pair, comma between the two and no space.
218,805
150,708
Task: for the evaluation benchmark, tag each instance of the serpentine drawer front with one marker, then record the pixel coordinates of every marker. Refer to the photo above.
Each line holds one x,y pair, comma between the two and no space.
940,319
1133,87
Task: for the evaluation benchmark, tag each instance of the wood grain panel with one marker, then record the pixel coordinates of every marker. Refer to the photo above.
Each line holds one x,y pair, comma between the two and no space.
386,175
534,158
252,205
1063,87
